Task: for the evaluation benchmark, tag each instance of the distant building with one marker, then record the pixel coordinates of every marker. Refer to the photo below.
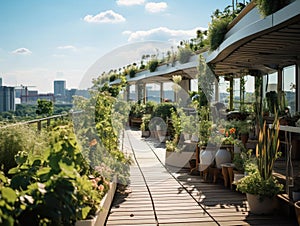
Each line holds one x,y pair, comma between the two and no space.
76,92
0,82
60,90
7,98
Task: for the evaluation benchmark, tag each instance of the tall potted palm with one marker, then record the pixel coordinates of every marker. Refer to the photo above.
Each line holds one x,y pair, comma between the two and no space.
260,186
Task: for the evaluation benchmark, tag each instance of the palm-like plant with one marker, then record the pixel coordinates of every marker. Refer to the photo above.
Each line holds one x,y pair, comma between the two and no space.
267,148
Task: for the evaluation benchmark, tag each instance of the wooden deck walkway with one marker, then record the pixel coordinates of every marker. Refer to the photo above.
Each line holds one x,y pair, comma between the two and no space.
162,196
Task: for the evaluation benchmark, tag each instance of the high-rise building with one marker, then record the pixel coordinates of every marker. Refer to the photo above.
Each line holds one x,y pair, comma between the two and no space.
59,88
7,98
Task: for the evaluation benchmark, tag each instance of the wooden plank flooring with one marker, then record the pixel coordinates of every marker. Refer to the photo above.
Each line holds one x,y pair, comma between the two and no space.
156,197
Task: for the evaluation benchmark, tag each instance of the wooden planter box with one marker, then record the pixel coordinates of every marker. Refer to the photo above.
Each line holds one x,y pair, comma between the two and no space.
135,121
105,204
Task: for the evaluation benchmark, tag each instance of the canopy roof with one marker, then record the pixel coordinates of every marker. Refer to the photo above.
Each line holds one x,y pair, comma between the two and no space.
260,44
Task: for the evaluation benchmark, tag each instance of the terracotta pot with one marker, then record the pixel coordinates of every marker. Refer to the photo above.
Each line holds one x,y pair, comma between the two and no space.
244,138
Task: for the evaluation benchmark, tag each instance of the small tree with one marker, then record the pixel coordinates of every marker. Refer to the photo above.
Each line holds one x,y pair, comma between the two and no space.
45,107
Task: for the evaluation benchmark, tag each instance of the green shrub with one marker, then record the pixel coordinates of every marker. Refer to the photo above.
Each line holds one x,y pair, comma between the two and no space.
132,72
217,31
8,199
267,7
164,111
21,138
55,186
152,65
256,185
184,55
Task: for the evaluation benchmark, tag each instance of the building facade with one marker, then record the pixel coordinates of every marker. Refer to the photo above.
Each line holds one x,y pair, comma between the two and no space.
7,98
60,88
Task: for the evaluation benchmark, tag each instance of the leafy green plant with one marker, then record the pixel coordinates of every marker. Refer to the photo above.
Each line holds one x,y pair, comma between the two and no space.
54,185
44,107
267,148
255,184
164,111
272,101
217,31
219,24
152,65
132,72
267,7
150,107
184,55
261,180
145,122
21,138
137,110
8,199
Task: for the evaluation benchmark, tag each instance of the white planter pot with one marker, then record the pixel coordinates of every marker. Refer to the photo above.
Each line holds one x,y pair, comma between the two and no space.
206,157
222,156
105,204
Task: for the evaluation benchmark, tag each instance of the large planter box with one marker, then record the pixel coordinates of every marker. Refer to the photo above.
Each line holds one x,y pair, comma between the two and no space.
105,204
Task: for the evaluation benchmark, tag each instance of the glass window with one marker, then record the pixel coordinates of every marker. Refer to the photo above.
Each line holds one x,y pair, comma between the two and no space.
289,83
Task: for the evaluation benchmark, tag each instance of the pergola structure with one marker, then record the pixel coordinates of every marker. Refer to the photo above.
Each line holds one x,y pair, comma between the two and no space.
163,74
256,45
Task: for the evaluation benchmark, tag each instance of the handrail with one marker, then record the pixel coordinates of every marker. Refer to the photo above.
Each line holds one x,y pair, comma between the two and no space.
40,120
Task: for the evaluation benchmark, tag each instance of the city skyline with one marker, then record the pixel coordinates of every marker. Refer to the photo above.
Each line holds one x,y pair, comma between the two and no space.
55,40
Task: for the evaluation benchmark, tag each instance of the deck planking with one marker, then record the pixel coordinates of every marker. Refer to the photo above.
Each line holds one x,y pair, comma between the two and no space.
178,197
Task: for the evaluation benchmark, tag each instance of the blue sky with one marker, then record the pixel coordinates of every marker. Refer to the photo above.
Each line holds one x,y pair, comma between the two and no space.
44,40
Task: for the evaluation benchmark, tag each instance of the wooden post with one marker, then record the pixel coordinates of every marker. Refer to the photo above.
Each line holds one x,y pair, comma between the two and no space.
279,80
39,125
231,94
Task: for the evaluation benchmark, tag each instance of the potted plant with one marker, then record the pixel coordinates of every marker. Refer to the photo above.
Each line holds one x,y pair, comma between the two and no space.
243,130
136,113
145,125
260,186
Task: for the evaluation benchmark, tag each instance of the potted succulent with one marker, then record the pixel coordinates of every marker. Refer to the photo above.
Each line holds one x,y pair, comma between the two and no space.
260,186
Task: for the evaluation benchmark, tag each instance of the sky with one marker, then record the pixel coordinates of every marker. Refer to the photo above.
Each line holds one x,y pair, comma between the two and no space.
46,40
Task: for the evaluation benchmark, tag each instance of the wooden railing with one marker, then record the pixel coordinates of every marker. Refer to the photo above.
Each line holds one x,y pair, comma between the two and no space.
40,121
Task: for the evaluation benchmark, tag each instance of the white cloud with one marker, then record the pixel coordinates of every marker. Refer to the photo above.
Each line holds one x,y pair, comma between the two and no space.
108,16
162,34
67,47
22,51
156,7
130,2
